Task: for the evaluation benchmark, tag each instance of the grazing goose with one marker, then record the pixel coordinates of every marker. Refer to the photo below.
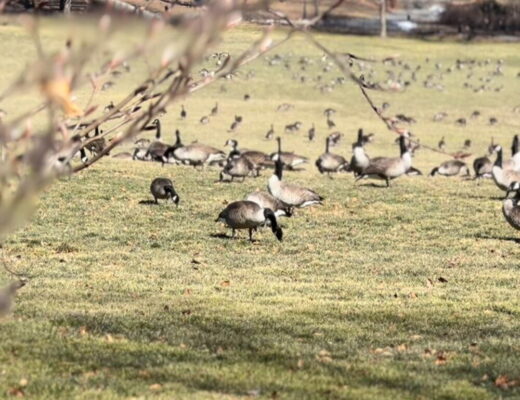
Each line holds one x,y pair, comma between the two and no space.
388,168
289,160
330,123
237,166
359,160
7,295
290,194
329,162
198,154
442,144
157,148
248,215
503,177
162,188
510,207
96,146
266,200
451,168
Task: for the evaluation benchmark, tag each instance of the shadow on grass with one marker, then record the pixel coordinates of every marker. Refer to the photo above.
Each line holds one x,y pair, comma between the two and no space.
502,238
221,236
373,185
476,197
148,202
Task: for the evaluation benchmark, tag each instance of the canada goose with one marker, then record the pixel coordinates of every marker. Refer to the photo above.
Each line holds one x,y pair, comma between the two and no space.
290,194
493,121
7,295
266,200
439,116
335,138
168,154
483,167
141,154
503,177
157,148
467,144
510,207
330,123
247,97
442,144
204,120
294,127
96,146
184,114
236,123
389,168
237,166
359,160
258,159
244,214
329,162
270,133
461,122
475,114
214,110
162,188
451,168
289,159
312,133
198,154
328,112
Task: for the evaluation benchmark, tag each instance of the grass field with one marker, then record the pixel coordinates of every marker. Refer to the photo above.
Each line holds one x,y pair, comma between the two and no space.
141,301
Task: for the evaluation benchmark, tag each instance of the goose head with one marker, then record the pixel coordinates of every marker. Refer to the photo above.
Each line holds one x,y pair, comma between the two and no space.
514,187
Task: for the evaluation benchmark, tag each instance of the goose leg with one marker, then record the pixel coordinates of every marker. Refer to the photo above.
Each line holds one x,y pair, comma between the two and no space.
387,182
155,199
250,234
232,233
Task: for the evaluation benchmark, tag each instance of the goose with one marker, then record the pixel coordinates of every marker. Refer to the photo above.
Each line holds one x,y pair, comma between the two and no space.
330,123
96,146
514,162
270,133
168,154
214,110
482,167
467,144
141,155
289,160
142,143
451,168
503,177
510,207
359,160
162,188
7,295
290,194
442,144
266,200
157,148
259,159
329,162
204,120
198,154
388,168
312,133
184,114
294,127
237,166
244,214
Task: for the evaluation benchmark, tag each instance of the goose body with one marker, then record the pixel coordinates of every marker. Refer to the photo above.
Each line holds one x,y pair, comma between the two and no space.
451,168
198,154
290,194
248,215
501,176
289,160
237,167
162,188
329,162
266,200
157,148
483,167
389,168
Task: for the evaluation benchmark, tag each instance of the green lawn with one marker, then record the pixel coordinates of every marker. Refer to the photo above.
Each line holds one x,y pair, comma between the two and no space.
134,300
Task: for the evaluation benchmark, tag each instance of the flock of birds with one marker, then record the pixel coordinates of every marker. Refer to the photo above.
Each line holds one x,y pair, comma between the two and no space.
264,208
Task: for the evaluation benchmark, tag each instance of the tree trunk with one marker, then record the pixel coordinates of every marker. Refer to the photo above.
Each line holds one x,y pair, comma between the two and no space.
383,18
304,16
316,7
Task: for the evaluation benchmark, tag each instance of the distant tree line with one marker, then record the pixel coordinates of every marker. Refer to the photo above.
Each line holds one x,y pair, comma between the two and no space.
483,16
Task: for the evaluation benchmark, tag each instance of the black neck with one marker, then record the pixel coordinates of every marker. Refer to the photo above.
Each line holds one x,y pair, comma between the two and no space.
498,161
278,165
177,138
96,131
360,137
327,145
514,147
402,145
269,214
158,129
